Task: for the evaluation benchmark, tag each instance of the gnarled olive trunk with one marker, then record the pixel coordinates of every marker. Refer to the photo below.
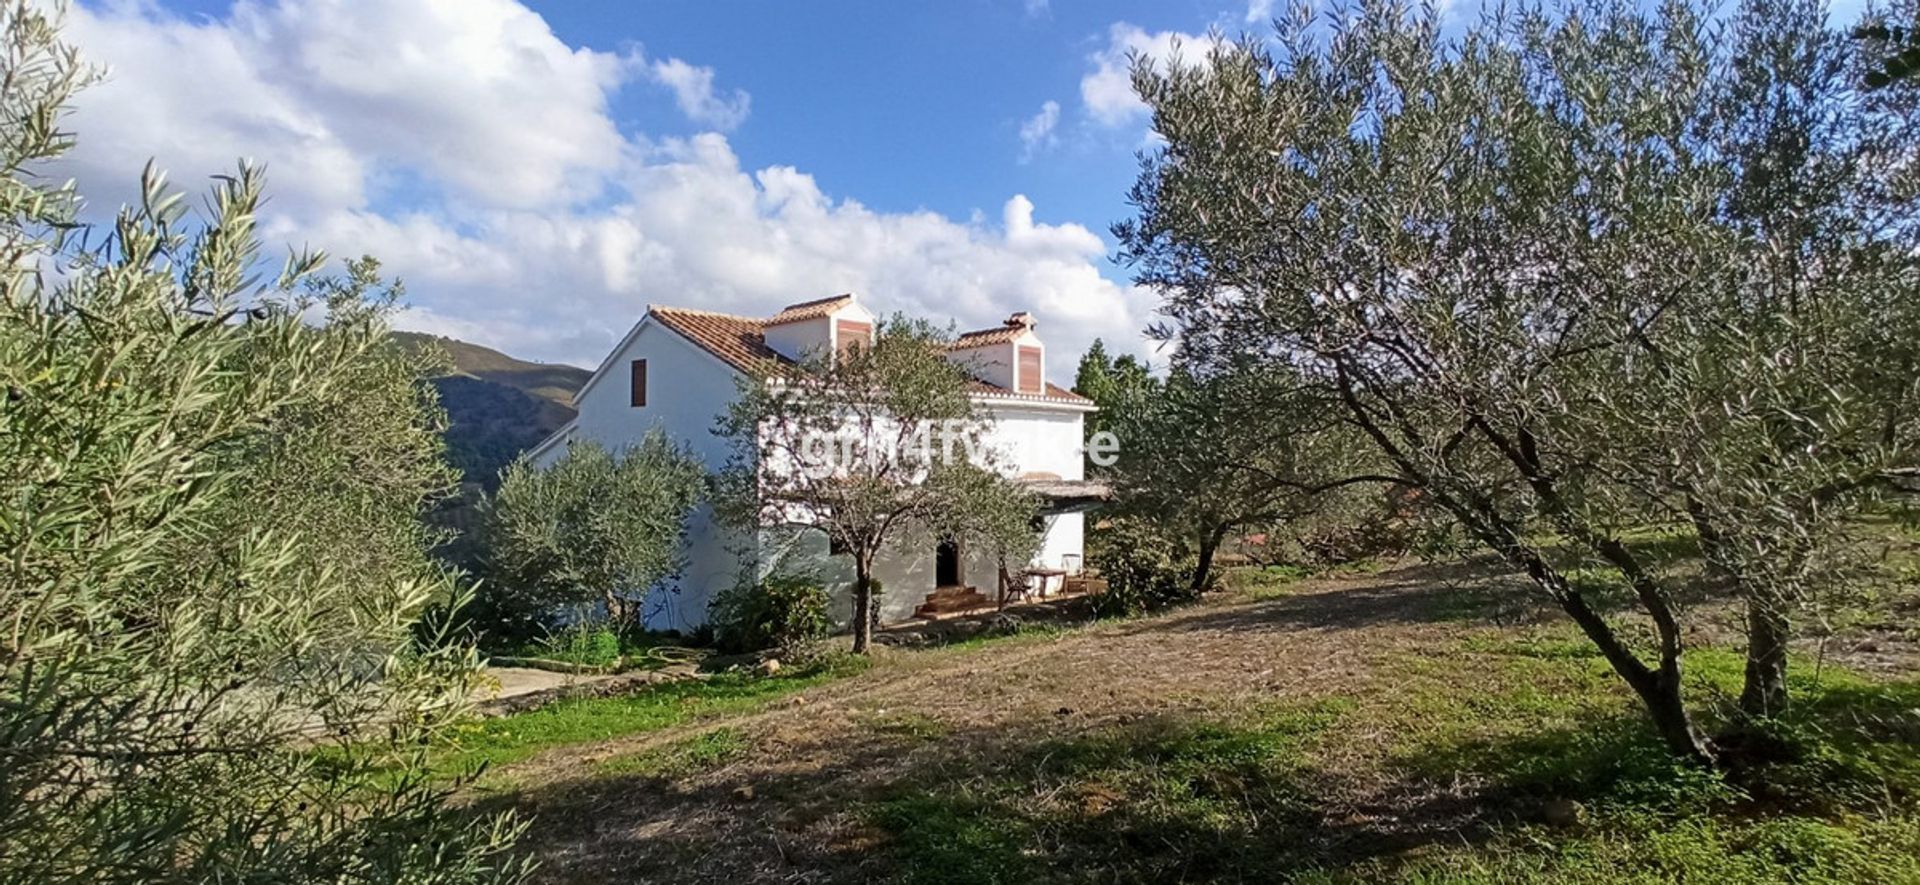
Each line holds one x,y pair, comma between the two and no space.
1768,629
1659,687
1769,625
1210,539
619,611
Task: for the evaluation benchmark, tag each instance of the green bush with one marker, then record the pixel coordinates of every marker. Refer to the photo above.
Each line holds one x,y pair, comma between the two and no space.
587,644
1145,568
782,612
590,529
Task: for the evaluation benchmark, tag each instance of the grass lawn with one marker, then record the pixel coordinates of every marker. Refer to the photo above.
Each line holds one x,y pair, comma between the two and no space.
1567,783
508,739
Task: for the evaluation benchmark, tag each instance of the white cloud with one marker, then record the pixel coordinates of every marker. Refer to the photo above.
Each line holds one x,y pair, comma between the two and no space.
1259,12
693,90
340,97
472,151
1107,89
1036,134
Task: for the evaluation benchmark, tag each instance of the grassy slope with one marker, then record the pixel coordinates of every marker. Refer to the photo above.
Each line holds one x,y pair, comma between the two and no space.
550,381
1499,754
508,739
1574,786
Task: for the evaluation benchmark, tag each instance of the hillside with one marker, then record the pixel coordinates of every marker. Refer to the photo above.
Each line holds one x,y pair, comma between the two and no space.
497,406
1430,722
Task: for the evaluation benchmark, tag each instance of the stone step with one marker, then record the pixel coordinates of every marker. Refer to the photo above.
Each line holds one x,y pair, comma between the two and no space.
946,600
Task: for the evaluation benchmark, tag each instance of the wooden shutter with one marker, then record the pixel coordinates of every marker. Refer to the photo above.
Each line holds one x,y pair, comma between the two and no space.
639,383
1030,380
851,333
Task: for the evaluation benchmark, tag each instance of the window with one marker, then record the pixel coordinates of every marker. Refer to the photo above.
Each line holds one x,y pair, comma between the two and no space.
639,383
852,334
1029,381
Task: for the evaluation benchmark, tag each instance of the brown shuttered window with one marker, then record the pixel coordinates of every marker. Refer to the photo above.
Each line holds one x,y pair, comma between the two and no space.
639,383
1029,370
853,334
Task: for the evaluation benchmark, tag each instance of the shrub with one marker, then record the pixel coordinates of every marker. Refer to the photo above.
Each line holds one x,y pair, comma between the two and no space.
586,643
782,612
1357,524
207,675
1144,567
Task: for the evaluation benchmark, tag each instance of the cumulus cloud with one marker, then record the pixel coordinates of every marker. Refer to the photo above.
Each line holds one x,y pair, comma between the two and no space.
693,90
341,97
1036,134
1107,88
472,151
1259,12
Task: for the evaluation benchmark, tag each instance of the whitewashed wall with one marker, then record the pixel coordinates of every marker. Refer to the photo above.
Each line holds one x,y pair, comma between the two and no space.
1037,439
687,389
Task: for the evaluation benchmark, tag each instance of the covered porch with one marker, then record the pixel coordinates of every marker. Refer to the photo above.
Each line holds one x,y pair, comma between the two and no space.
1055,573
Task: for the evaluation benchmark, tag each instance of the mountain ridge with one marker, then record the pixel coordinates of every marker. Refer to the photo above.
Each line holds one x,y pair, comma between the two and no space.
498,405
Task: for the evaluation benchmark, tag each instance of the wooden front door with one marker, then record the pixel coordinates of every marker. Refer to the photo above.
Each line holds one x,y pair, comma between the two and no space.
946,564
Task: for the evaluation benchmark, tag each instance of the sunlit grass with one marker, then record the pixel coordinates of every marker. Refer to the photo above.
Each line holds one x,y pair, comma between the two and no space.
1522,720
692,755
509,739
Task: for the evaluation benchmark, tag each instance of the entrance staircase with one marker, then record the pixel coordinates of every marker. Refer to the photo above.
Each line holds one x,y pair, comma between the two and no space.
948,600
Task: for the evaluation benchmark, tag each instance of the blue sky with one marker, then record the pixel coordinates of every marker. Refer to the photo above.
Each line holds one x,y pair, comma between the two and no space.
904,105
539,172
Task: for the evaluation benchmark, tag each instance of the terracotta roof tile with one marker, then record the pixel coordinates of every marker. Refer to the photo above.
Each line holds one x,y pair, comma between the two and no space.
741,343
984,337
737,340
807,310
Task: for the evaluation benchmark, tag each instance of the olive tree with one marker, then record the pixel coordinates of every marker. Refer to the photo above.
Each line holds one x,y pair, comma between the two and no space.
991,513
186,692
354,463
594,527
1520,264
1223,451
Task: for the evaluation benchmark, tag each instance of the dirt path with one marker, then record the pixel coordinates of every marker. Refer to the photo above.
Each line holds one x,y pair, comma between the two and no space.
517,681
777,811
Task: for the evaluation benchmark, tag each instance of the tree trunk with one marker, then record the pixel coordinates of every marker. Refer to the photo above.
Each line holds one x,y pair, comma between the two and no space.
1658,688
1768,629
1668,709
1203,569
616,609
862,605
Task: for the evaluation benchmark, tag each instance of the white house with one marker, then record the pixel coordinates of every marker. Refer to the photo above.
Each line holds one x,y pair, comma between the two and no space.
678,370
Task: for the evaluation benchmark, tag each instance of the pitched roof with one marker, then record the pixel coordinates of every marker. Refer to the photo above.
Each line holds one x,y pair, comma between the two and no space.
1054,393
984,337
807,310
741,342
1007,331
738,341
